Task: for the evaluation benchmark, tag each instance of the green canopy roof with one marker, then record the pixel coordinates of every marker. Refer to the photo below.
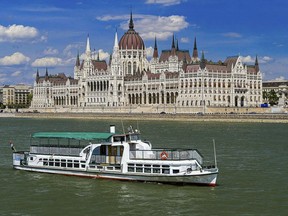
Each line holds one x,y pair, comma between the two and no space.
73,135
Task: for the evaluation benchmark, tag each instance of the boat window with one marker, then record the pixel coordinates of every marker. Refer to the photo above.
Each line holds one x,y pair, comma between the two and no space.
156,165
147,165
156,170
139,169
147,170
51,162
96,151
76,165
63,163
175,171
131,169
165,171
83,165
69,164
119,138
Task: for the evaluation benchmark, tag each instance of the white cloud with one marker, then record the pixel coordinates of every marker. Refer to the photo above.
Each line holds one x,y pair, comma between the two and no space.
248,59
17,33
163,27
262,60
184,40
47,62
50,51
164,2
149,51
15,59
276,68
232,35
16,74
71,50
103,55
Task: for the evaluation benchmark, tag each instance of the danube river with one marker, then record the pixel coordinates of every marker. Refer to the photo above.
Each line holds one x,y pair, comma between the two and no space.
252,159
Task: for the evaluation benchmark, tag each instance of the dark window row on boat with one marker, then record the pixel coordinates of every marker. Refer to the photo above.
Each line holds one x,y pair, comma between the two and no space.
160,154
56,142
55,150
62,162
149,168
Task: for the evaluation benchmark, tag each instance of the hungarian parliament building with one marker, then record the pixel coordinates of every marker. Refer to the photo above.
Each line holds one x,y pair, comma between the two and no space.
172,78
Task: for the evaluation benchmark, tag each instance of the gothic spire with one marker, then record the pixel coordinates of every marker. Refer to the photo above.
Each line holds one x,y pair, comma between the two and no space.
155,53
116,40
256,64
173,42
173,50
77,60
195,51
131,24
88,49
203,61
177,46
37,75
46,74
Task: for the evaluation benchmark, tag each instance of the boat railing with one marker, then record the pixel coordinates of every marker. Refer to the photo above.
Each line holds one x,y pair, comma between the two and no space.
56,150
160,154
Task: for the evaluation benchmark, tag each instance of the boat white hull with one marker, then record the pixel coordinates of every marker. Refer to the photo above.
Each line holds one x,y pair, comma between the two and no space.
200,178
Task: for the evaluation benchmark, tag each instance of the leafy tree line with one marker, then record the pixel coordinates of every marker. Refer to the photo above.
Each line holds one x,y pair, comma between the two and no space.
271,97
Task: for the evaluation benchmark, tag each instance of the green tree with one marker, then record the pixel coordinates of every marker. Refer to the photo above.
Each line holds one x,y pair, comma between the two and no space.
272,98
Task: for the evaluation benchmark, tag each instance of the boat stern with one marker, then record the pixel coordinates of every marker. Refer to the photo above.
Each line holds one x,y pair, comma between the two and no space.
18,158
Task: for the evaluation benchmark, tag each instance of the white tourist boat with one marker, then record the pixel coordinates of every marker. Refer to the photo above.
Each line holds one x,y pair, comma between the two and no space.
113,156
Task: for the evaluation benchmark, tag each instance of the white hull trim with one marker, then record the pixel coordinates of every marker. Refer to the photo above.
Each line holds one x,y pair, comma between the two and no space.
204,178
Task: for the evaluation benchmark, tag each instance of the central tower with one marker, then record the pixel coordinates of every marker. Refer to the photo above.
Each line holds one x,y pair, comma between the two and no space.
132,51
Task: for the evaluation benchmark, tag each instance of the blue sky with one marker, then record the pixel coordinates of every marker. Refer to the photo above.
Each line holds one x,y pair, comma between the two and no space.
36,34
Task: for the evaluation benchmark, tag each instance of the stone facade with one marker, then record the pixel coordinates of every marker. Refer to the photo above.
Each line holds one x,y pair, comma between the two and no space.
15,94
171,79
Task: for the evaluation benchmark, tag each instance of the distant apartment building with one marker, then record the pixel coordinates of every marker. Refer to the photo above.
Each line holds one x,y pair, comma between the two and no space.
11,95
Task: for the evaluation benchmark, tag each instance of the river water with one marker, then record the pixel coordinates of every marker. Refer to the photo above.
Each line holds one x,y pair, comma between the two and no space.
252,159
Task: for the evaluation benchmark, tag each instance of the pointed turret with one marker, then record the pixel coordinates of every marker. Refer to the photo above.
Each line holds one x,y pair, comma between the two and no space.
46,75
77,60
173,42
256,65
37,75
173,49
203,61
131,24
116,46
177,46
155,53
88,49
195,51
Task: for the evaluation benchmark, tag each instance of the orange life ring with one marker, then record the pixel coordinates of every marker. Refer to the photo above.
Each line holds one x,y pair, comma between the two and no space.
164,155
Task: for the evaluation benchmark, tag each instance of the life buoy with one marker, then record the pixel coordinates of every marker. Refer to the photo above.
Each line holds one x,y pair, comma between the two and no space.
164,155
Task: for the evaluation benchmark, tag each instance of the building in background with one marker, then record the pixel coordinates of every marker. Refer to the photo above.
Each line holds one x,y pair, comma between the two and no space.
16,95
173,78
276,90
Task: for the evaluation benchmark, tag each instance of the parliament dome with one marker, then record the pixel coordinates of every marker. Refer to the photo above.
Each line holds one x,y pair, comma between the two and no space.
131,39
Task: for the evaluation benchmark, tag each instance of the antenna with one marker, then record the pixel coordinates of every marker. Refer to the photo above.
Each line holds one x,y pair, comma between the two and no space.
122,126
215,160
